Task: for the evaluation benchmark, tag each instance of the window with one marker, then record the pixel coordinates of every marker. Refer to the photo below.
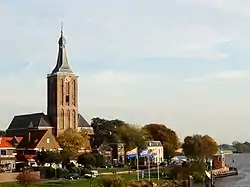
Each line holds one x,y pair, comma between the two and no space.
3,152
67,99
48,140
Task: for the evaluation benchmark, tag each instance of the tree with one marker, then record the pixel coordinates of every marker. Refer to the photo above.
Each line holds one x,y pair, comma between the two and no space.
72,142
2,133
199,147
105,130
87,159
210,146
133,136
166,136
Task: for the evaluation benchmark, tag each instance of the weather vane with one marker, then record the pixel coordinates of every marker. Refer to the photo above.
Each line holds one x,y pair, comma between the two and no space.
62,27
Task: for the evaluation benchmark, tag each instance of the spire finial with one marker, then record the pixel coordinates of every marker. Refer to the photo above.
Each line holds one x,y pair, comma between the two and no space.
61,27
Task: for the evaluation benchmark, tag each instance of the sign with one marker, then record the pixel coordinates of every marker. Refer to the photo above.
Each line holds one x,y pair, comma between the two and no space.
142,174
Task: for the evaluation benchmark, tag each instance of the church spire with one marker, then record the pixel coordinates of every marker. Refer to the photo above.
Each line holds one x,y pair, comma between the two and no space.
62,65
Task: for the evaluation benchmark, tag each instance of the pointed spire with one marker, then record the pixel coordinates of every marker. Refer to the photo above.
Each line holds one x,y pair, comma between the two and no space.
62,64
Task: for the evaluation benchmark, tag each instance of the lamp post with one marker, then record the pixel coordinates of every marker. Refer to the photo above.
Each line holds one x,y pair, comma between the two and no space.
211,172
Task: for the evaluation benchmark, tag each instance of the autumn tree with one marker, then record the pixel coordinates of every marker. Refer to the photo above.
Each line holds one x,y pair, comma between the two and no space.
199,147
166,136
72,142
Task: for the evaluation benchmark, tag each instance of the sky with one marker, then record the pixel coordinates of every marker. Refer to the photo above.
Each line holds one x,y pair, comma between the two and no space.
182,63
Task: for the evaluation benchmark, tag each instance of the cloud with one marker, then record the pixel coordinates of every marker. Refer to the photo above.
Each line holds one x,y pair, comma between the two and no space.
132,59
227,76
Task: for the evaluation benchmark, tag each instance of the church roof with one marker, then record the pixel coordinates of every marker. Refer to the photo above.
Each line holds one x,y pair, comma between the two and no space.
26,121
82,122
62,65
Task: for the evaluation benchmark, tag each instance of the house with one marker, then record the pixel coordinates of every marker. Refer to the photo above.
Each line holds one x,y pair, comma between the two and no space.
36,141
156,147
7,155
105,150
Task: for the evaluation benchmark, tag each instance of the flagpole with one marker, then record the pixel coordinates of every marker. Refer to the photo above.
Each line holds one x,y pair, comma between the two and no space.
158,164
137,165
148,167
158,170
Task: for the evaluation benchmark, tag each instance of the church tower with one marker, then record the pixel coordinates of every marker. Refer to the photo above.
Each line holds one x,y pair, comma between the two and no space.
62,93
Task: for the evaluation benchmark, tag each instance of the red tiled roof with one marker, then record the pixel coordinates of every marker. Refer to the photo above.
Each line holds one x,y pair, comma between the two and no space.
4,144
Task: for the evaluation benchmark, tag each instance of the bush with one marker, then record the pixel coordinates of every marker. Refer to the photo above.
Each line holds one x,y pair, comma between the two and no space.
74,170
197,170
47,172
84,171
27,178
112,181
60,173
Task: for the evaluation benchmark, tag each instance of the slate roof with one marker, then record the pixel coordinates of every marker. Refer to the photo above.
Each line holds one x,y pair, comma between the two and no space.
26,121
62,65
82,122
35,137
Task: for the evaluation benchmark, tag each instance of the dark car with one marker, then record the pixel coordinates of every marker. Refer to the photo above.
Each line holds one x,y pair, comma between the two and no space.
73,176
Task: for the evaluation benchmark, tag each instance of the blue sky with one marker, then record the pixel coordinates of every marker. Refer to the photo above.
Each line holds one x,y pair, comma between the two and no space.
183,63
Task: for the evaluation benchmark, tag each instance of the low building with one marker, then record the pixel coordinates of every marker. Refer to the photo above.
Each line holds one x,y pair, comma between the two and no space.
105,150
156,147
7,155
34,142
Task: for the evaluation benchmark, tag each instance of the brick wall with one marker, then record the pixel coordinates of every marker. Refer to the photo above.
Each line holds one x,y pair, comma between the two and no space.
11,177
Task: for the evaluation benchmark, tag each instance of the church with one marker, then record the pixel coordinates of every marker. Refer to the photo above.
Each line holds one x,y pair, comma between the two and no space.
62,103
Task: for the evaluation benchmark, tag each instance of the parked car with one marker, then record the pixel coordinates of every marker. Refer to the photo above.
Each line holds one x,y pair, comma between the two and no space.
91,174
73,176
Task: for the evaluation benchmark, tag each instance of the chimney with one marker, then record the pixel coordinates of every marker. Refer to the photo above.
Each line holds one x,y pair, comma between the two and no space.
29,137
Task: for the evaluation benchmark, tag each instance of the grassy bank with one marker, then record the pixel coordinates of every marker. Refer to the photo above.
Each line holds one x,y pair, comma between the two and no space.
83,182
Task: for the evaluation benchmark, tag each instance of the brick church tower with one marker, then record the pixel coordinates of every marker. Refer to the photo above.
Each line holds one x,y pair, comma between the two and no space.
62,93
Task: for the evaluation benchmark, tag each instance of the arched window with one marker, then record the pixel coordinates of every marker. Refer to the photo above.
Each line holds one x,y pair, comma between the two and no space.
74,119
73,92
62,92
68,115
67,93
62,119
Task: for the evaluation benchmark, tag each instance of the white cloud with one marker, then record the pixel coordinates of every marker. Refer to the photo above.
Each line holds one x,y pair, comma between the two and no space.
223,76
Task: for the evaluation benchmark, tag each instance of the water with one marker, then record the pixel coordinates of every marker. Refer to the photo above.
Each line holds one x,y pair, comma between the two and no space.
242,162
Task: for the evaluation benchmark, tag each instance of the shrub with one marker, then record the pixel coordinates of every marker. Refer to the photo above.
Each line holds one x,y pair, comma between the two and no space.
26,178
47,172
61,172
74,170
84,171
112,181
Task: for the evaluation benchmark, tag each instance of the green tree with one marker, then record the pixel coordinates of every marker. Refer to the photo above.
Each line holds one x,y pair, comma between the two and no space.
87,160
133,136
105,130
72,142
166,136
199,147
2,133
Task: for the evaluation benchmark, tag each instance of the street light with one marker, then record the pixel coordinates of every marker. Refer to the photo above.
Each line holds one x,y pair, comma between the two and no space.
211,172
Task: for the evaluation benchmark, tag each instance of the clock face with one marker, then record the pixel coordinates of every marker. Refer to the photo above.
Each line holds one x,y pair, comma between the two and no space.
67,79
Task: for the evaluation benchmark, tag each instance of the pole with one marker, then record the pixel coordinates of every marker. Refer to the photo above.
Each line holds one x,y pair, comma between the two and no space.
137,167
158,170
148,167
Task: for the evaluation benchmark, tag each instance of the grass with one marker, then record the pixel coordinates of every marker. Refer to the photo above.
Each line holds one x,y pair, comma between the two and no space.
83,182
110,170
